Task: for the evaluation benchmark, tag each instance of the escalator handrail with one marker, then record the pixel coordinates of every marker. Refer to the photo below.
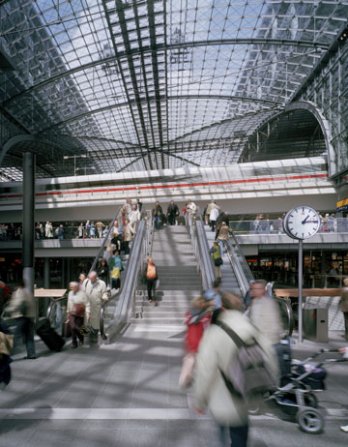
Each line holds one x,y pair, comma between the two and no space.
104,241
53,301
205,259
123,310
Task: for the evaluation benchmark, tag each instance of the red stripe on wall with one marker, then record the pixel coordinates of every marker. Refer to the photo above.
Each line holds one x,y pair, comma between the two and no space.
172,185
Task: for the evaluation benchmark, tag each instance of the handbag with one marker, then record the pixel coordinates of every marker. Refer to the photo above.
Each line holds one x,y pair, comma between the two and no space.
218,262
6,343
87,329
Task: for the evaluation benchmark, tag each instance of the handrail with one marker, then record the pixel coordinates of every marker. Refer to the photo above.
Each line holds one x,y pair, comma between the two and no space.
52,307
201,249
102,245
125,303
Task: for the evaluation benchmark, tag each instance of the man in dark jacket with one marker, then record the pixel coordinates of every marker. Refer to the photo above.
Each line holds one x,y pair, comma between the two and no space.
172,212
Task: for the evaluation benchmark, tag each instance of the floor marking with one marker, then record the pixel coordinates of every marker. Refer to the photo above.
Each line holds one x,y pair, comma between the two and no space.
158,414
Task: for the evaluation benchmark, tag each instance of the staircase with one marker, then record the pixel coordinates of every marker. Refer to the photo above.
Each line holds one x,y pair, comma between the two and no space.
229,280
179,281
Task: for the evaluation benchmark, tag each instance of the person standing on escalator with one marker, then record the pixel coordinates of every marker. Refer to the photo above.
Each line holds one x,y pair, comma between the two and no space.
151,277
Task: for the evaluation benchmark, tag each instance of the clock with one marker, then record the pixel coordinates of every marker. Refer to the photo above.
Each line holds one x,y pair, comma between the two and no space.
302,222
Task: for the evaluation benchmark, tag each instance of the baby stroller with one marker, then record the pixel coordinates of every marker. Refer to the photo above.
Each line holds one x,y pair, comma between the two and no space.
296,398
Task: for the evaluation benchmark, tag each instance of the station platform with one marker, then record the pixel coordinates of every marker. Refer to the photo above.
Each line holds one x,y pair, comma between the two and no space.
126,394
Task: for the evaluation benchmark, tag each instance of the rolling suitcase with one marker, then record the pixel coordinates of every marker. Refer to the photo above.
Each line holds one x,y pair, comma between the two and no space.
49,336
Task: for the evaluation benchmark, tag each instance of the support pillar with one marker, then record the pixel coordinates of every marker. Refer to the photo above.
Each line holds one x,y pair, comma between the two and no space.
47,273
28,236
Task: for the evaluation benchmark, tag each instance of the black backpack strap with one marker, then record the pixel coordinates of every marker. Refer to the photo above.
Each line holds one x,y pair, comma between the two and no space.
235,337
239,343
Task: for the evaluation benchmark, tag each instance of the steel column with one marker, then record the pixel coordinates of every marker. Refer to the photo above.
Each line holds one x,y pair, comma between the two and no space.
28,219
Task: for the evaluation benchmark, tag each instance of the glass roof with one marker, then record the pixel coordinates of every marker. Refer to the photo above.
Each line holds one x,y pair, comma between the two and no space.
154,84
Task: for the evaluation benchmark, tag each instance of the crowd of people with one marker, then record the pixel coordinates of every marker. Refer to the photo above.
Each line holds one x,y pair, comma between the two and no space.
173,215
218,322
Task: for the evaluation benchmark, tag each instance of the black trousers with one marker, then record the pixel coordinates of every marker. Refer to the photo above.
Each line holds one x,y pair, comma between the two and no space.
76,324
151,288
238,436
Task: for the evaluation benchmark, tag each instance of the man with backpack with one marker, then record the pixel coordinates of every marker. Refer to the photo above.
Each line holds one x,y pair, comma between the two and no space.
217,385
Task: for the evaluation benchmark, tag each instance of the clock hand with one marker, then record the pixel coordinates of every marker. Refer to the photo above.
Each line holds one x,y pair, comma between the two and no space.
305,220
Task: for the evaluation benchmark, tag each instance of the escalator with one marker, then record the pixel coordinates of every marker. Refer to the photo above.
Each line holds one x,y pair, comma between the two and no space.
236,274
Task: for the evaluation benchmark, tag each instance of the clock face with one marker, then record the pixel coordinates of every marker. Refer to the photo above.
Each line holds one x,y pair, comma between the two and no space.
302,222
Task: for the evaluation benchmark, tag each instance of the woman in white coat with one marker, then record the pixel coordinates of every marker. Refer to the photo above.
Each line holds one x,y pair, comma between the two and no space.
215,354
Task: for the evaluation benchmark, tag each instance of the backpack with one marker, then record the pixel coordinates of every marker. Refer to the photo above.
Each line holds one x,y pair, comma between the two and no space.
249,373
151,272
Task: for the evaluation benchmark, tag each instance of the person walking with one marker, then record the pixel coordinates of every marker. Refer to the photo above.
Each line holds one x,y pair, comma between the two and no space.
76,311
157,215
264,312
22,309
344,306
151,278
96,292
172,213
213,216
223,234
216,353
197,319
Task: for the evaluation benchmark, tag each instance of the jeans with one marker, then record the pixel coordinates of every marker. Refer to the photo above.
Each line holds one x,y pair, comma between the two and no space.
25,331
238,436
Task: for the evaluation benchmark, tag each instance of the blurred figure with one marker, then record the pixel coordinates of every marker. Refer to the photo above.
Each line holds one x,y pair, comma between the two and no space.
216,352
115,268
60,232
134,217
223,234
215,252
103,271
127,236
197,319
264,312
95,290
92,231
48,230
99,227
82,278
80,230
172,213
22,309
344,305
157,214
213,212
116,235
215,293
5,295
76,310
151,277
247,297
6,346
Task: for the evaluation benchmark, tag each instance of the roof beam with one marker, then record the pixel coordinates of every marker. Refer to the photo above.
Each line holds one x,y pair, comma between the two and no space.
153,98
168,47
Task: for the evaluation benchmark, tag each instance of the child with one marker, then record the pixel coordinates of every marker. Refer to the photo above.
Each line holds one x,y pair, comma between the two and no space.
197,320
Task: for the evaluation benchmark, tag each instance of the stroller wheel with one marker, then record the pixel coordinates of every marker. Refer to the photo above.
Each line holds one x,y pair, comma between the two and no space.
310,420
